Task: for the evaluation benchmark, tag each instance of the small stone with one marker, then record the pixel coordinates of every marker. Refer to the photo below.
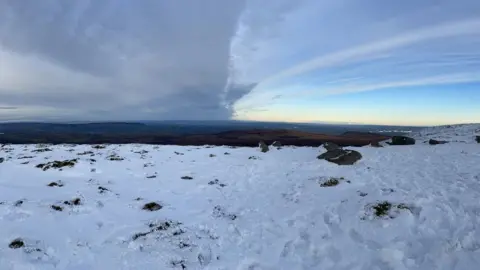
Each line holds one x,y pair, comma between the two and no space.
55,184
17,243
102,189
152,206
435,142
76,201
56,208
18,203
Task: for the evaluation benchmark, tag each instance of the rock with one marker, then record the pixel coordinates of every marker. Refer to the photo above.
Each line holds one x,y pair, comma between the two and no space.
435,142
341,156
402,140
263,147
152,206
329,146
375,144
276,144
2,159
477,139
17,243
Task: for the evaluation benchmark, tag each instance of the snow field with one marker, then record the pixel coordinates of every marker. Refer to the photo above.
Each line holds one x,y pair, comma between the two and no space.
237,212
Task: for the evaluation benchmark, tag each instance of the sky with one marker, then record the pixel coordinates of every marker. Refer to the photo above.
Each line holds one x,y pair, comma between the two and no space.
404,62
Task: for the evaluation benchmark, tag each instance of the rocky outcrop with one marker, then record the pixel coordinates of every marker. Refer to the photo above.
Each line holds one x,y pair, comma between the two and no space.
341,156
375,144
263,146
276,144
477,138
402,140
435,142
329,146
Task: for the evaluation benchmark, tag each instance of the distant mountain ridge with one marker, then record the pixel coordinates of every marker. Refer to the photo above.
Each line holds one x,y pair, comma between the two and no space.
194,133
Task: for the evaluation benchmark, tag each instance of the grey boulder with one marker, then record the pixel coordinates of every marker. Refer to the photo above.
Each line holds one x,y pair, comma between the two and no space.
341,156
329,146
402,140
263,147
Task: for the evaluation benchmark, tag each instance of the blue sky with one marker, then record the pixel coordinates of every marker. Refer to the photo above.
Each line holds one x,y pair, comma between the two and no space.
383,62
417,106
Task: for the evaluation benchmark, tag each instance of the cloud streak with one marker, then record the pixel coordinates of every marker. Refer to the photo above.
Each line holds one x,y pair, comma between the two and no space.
418,44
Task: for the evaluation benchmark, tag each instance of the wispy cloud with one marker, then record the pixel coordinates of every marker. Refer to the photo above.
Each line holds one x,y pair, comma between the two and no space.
379,47
366,52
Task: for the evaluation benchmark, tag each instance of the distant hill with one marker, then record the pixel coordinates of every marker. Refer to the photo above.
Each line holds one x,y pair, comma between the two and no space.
190,133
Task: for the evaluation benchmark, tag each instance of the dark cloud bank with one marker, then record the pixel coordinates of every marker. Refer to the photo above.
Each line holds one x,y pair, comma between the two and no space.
117,59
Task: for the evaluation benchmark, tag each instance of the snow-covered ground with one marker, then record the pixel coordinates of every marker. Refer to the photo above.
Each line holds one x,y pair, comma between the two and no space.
454,133
238,208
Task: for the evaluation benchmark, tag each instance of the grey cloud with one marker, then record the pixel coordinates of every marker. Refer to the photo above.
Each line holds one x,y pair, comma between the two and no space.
141,59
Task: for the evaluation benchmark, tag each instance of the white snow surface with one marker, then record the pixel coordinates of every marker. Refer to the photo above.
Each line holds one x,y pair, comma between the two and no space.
452,133
268,212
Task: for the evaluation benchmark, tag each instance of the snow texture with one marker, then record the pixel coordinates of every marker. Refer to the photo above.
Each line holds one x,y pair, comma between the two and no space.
399,207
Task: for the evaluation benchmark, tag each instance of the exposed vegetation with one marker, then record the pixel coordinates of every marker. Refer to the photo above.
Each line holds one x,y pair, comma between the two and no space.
115,157
57,164
331,182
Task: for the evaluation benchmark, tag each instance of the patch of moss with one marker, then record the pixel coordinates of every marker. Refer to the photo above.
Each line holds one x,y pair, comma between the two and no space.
161,226
382,209
115,157
85,153
42,150
330,183
403,206
333,181
388,209
57,164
